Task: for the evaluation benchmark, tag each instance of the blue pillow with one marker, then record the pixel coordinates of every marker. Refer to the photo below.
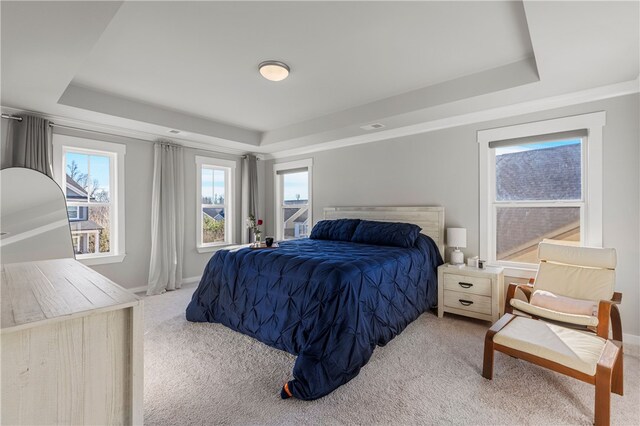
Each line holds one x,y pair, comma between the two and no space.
386,233
336,230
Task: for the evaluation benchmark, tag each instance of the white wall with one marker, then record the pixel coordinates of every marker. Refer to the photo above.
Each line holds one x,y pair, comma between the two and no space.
441,168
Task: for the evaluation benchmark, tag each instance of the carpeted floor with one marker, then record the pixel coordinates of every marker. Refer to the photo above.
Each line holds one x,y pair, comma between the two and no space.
207,374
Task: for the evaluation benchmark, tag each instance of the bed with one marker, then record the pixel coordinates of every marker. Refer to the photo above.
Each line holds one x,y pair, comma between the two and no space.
328,300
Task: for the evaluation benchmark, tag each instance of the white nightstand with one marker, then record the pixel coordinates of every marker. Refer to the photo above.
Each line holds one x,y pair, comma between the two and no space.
473,292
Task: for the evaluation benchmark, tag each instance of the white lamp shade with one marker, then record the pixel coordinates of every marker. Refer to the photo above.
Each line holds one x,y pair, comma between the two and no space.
457,237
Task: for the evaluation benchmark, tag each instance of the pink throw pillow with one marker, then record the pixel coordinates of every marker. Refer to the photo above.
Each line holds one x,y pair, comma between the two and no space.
567,305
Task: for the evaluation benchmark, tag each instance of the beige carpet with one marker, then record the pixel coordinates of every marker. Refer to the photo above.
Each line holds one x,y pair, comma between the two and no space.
430,374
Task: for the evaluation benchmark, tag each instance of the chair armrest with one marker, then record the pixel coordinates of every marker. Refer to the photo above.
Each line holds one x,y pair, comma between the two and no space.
617,298
511,292
614,315
604,316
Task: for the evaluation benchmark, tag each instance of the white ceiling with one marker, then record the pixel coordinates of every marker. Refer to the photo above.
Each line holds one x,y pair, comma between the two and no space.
152,66
201,58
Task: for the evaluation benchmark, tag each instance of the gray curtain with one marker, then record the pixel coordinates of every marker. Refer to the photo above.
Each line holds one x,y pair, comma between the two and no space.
167,219
249,193
28,145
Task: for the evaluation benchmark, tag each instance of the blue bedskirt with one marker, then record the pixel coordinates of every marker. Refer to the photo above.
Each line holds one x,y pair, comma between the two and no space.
328,302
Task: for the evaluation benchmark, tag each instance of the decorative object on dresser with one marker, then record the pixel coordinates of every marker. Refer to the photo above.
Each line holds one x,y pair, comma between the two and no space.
472,292
457,237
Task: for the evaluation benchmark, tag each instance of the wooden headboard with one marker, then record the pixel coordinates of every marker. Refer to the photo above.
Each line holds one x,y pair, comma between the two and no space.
430,219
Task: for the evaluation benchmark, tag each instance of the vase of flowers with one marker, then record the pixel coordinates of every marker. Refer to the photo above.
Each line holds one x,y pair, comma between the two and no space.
253,224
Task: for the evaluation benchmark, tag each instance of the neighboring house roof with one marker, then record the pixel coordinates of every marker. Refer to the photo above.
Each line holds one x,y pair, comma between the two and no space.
76,190
292,207
290,211
526,229
521,175
214,213
84,225
535,174
293,202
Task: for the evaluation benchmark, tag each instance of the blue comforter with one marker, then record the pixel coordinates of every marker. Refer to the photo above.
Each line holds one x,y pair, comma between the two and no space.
328,302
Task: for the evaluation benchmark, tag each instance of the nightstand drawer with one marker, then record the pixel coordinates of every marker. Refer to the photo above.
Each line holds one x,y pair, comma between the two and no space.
466,284
467,302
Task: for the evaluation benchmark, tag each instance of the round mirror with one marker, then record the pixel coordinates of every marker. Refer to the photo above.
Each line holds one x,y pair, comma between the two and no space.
33,218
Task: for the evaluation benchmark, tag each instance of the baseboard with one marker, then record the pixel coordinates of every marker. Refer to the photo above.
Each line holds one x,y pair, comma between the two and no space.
138,289
190,280
631,339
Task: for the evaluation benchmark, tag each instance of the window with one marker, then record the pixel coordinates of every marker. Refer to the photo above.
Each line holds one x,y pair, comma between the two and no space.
215,183
89,172
76,242
540,181
293,199
72,212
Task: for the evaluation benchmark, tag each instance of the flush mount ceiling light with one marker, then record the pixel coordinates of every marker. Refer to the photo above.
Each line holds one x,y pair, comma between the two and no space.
274,70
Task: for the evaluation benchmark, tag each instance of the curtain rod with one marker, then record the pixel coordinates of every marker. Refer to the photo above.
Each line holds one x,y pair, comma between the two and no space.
12,117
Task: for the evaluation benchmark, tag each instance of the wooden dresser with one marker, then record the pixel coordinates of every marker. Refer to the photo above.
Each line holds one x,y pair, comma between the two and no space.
72,344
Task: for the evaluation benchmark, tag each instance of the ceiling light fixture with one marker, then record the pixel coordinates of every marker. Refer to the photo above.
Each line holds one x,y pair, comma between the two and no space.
274,70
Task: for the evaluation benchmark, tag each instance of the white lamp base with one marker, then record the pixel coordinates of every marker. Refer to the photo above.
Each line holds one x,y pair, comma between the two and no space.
457,257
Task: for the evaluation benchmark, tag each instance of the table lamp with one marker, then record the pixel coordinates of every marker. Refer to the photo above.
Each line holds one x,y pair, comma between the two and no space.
457,237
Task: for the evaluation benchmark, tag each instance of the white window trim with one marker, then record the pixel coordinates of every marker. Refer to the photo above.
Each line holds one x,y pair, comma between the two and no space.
290,165
117,151
592,179
230,171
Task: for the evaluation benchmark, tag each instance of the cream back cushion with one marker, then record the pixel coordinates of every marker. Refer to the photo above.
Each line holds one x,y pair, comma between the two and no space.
578,272
582,256
574,281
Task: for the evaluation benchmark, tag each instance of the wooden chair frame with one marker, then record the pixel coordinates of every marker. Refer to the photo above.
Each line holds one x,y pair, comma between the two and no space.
608,311
608,377
608,316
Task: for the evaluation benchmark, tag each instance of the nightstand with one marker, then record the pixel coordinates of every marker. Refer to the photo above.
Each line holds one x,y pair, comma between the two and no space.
472,292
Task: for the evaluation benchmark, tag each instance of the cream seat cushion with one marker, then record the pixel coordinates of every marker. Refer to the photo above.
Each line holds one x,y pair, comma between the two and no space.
574,349
584,320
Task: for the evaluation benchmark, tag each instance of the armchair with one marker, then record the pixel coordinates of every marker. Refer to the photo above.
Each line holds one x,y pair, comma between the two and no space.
574,288
577,275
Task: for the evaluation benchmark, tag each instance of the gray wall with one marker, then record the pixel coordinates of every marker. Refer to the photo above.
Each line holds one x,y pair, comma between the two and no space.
134,270
441,168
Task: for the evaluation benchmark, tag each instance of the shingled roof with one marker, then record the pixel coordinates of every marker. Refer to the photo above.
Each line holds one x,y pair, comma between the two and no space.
214,213
74,190
542,174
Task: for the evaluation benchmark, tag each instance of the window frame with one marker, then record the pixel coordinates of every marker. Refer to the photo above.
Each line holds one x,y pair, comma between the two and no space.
116,152
591,170
229,168
279,191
